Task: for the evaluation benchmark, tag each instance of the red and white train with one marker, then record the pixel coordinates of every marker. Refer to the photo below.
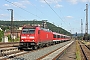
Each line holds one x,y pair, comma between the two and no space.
34,37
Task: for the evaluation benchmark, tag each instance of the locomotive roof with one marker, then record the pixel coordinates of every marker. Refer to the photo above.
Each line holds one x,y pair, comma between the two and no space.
28,26
60,34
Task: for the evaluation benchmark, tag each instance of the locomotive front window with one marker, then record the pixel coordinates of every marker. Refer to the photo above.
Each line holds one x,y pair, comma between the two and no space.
29,31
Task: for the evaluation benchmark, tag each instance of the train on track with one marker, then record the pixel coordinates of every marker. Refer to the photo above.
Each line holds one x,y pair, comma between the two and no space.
36,37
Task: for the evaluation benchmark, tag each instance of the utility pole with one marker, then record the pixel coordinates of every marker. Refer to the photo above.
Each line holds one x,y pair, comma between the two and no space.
11,22
82,29
86,27
86,30
58,29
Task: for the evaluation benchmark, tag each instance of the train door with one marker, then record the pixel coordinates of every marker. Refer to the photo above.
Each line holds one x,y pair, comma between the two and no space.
39,40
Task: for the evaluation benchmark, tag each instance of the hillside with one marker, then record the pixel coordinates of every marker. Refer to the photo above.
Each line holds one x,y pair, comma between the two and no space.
51,26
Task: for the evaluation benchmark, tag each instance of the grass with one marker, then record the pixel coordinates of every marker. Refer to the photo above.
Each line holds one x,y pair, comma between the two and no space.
86,42
78,54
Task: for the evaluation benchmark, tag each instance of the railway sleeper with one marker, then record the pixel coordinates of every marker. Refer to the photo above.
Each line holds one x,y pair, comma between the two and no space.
8,51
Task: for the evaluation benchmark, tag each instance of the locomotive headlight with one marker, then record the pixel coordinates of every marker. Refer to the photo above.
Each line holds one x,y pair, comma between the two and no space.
23,37
32,40
22,40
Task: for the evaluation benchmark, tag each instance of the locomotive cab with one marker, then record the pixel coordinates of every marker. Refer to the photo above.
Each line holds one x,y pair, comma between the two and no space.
28,37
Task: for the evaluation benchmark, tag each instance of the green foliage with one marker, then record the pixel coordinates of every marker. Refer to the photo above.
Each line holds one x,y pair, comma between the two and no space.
79,37
86,37
1,35
5,28
78,54
17,40
13,40
57,29
9,38
89,36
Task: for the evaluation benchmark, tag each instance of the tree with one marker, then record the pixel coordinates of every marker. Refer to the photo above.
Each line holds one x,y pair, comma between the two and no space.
1,35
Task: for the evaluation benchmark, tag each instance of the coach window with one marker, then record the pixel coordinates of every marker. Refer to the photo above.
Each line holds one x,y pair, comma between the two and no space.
54,36
61,36
58,36
64,37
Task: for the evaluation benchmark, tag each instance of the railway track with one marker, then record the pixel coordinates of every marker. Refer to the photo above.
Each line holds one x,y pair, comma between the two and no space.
12,53
85,51
54,55
9,44
53,52
6,49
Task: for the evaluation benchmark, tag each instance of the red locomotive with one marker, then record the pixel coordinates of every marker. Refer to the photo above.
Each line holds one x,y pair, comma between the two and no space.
34,37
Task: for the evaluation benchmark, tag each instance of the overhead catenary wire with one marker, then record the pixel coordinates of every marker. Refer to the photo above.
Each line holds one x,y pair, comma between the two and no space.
54,11
63,15
23,9
28,11
36,8
39,10
32,13
5,10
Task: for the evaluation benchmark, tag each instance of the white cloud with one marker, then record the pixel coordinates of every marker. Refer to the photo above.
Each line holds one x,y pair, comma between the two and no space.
3,15
50,1
84,0
58,6
15,4
21,3
73,1
56,2
77,1
69,17
25,2
6,5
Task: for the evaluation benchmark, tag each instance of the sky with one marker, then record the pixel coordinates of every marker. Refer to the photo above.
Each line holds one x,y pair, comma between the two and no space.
62,13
